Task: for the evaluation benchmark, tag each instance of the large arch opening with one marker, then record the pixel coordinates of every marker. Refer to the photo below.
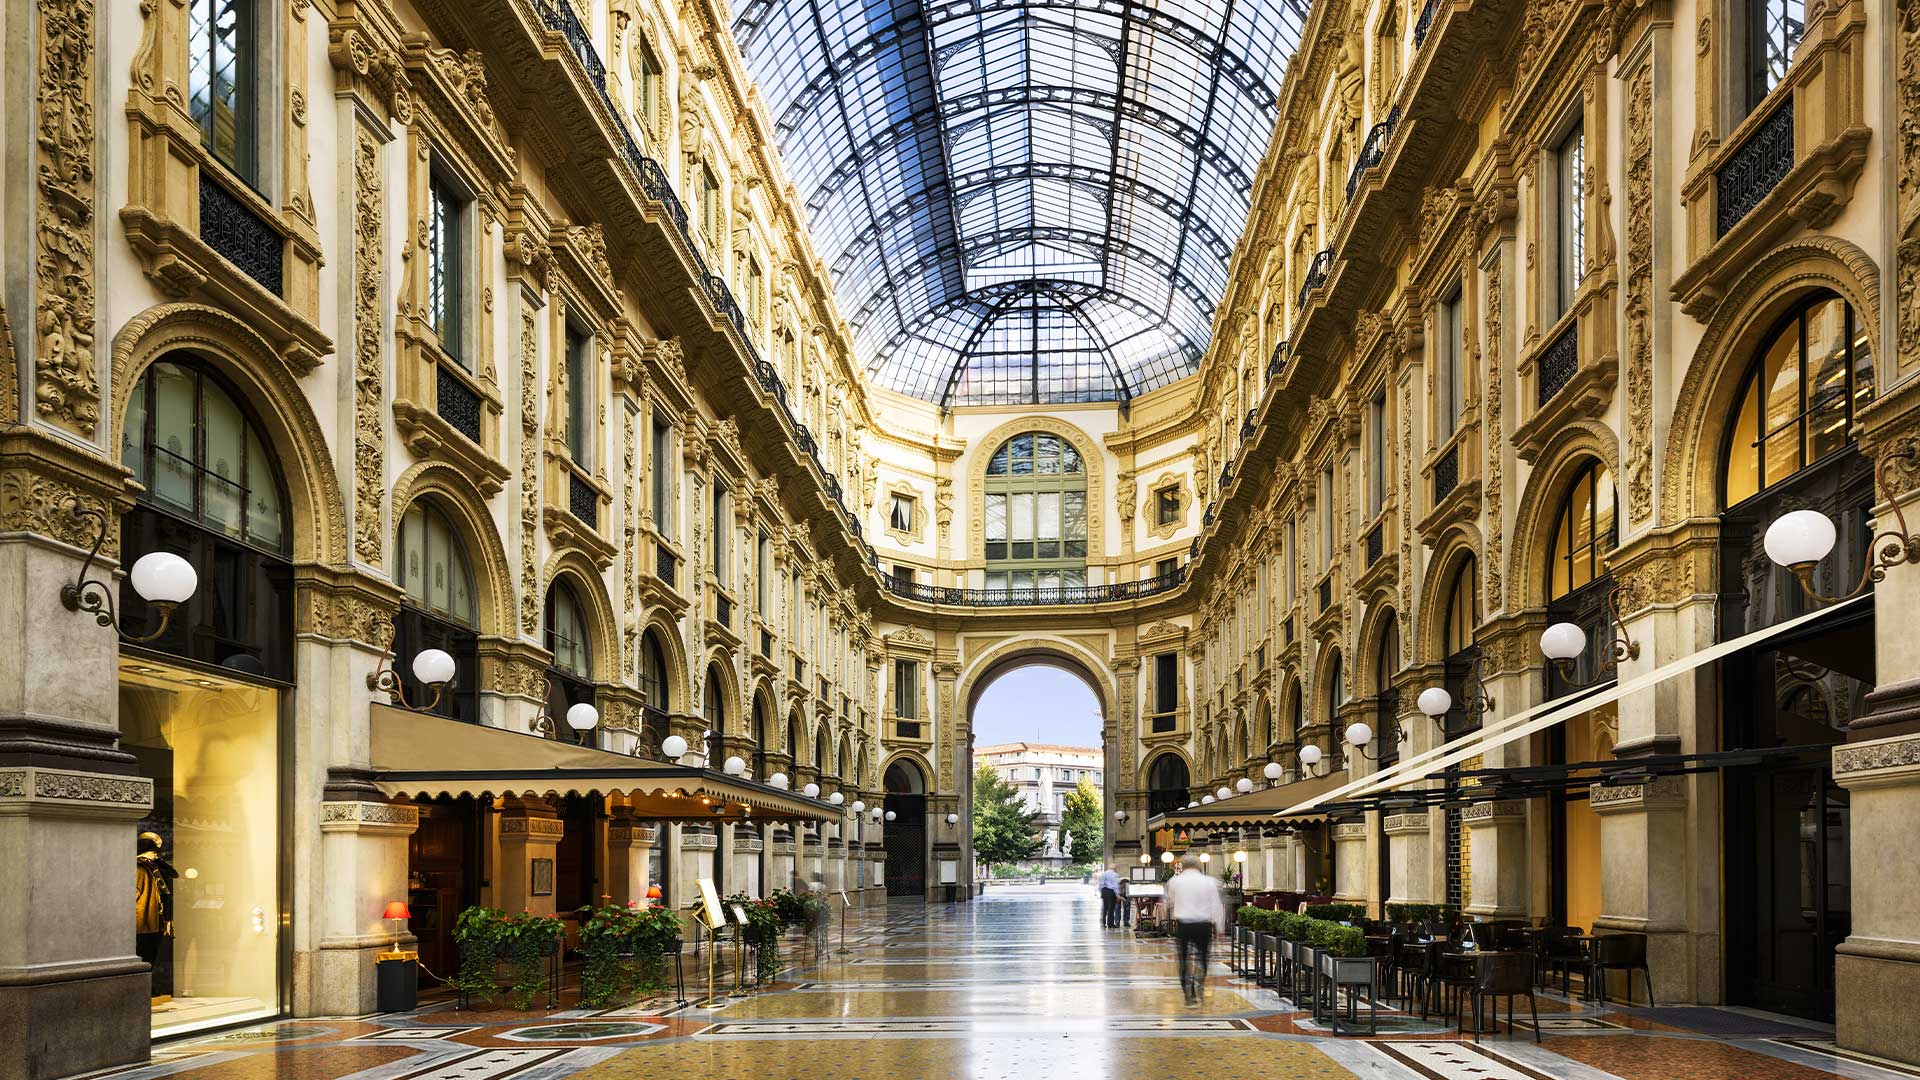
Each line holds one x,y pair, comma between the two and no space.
1037,718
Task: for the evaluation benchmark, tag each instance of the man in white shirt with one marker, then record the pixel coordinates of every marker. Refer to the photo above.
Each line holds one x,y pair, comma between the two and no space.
1196,912
1109,898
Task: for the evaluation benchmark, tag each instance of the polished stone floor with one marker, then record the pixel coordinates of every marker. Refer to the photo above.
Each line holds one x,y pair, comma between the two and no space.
1022,983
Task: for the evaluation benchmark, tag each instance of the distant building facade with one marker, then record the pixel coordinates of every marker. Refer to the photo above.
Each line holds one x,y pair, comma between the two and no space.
1043,773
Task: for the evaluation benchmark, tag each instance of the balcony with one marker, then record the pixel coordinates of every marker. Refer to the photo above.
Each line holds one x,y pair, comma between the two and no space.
666,566
1762,161
238,234
1376,542
1247,428
1558,364
1428,12
1062,594
457,403
1277,363
1446,474
723,610
1317,272
582,501
1373,150
1324,593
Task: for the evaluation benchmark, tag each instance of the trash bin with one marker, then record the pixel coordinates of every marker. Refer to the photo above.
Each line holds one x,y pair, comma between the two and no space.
397,981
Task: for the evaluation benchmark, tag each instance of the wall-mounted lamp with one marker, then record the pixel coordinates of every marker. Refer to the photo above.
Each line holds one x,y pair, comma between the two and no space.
777,780
1310,756
581,718
1435,702
953,819
734,766
1563,642
890,815
811,791
1119,815
1146,859
433,667
1243,785
1799,539
1167,857
1223,792
1272,771
673,747
1359,735
161,578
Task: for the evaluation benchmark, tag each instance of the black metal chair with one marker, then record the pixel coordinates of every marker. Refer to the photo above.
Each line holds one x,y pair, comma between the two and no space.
1503,975
1619,952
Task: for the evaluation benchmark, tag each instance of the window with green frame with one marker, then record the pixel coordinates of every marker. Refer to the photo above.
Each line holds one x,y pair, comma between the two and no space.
1036,514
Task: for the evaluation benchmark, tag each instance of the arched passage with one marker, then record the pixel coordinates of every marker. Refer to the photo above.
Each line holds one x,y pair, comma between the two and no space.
905,783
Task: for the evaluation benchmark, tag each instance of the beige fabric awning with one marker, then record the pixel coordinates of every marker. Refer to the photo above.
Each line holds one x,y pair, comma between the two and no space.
422,756
1255,809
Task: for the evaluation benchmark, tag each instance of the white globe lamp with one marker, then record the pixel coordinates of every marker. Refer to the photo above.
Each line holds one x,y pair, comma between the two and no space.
1243,785
1562,641
673,746
1206,800
1309,755
1223,792
734,766
859,806
583,717
1359,734
953,819
777,780
837,798
161,577
1272,771
1798,538
811,791
433,667
890,815
1434,701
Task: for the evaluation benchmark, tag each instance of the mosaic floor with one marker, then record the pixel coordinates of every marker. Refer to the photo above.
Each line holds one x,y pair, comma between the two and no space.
1022,983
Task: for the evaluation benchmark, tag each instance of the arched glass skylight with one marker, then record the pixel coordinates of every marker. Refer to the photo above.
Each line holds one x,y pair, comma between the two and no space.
1024,201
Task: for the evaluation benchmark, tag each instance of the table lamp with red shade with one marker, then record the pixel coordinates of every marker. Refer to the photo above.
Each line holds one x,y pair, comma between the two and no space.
653,893
396,912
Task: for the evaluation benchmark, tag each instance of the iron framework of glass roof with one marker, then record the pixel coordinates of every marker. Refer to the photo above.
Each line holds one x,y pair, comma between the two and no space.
1024,201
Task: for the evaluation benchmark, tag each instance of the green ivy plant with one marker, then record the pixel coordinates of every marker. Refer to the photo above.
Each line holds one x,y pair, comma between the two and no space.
624,951
762,931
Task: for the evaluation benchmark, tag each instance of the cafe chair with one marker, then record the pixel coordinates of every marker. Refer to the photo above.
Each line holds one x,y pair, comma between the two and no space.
1503,975
1619,952
1559,951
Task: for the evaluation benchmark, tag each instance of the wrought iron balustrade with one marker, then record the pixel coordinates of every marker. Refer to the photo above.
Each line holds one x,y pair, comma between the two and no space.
1373,151
666,566
1754,170
1446,473
1325,590
1226,474
1376,542
723,610
1036,595
1277,363
457,403
1558,364
1317,272
1246,426
582,501
1206,517
1428,12
239,235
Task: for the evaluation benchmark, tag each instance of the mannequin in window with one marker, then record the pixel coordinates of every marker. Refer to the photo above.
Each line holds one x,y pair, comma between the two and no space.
153,911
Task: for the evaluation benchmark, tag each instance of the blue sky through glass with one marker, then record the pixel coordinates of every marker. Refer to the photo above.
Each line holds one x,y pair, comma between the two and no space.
1037,704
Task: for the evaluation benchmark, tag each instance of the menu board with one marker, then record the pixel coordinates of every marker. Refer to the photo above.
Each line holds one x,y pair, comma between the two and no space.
710,900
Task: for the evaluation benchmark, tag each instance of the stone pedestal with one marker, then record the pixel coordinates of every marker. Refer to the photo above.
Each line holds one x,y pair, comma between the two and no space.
698,847
1497,833
746,861
1408,862
782,856
1877,969
1350,864
363,854
528,831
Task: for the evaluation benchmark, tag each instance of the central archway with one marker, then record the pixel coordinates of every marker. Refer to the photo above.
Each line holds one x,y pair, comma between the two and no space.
982,669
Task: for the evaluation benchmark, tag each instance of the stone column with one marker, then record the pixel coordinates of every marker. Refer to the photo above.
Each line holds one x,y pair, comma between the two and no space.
629,859
690,727
529,830
1407,850
813,858
1497,832
1350,864
363,851
698,846
73,994
747,847
1877,968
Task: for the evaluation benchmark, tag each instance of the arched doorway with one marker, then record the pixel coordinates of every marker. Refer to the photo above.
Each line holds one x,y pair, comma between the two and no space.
906,833
1036,714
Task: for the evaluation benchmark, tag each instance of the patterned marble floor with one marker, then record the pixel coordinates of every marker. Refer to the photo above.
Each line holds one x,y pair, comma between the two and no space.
1022,983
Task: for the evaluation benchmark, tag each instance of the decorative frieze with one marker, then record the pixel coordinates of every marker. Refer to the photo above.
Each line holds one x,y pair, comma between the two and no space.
1881,761
1639,294
533,828
1659,792
66,386
69,790
1490,813
355,816
369,368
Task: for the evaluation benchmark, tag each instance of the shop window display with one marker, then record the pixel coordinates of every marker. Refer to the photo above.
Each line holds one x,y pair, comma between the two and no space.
206,877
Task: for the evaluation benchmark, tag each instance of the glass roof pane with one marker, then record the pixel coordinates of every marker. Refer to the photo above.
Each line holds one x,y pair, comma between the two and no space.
1006,217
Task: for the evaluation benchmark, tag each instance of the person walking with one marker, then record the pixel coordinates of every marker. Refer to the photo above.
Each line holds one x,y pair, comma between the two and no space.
1197,912
1109,898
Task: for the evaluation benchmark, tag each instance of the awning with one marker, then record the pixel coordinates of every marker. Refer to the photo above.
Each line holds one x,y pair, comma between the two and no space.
1255,809
1544,716
422,756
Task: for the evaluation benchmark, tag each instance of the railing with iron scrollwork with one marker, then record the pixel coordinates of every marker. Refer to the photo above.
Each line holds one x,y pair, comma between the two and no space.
1226,474
1246,426
456,403
1037,595
1446,474
1428,12
1325,593
239,235
1558,364
582,501
1317,272
1277,362
666,566
1373,151
1376,542
1206,517
1754,170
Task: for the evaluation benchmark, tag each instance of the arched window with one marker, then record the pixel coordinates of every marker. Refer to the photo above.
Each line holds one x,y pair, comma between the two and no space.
1804,386
191,445
1336,696
793,738
1462,612
1386,695
820,761
762,737
1296,710
1583,531
440,611
212,495
1167,784
716,718
571,672
653,672
1036,515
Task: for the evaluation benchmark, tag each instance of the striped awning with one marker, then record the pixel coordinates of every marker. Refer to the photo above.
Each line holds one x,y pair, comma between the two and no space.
1255,809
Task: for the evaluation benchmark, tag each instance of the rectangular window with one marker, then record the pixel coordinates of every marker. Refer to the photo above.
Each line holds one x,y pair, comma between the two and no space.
756,292
900,513
1166,506
763,575
580,412
1326,517
446,266
1572,155
906,689
1166,566
1774,30
1293,584
222,69
660,478
996,526
722,533
1376,455
1166,682
709,205
1451,383
648,78
902,575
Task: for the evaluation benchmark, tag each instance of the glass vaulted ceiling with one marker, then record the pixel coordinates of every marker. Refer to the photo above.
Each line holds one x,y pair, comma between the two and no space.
1024,201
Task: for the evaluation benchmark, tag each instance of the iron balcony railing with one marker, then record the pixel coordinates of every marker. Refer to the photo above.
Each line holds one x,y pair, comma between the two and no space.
1446,474
1277,363
1376,542
1037,595
1429,12
1755,169
1317,272
1373,151
1246,426
1558,364
582,501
